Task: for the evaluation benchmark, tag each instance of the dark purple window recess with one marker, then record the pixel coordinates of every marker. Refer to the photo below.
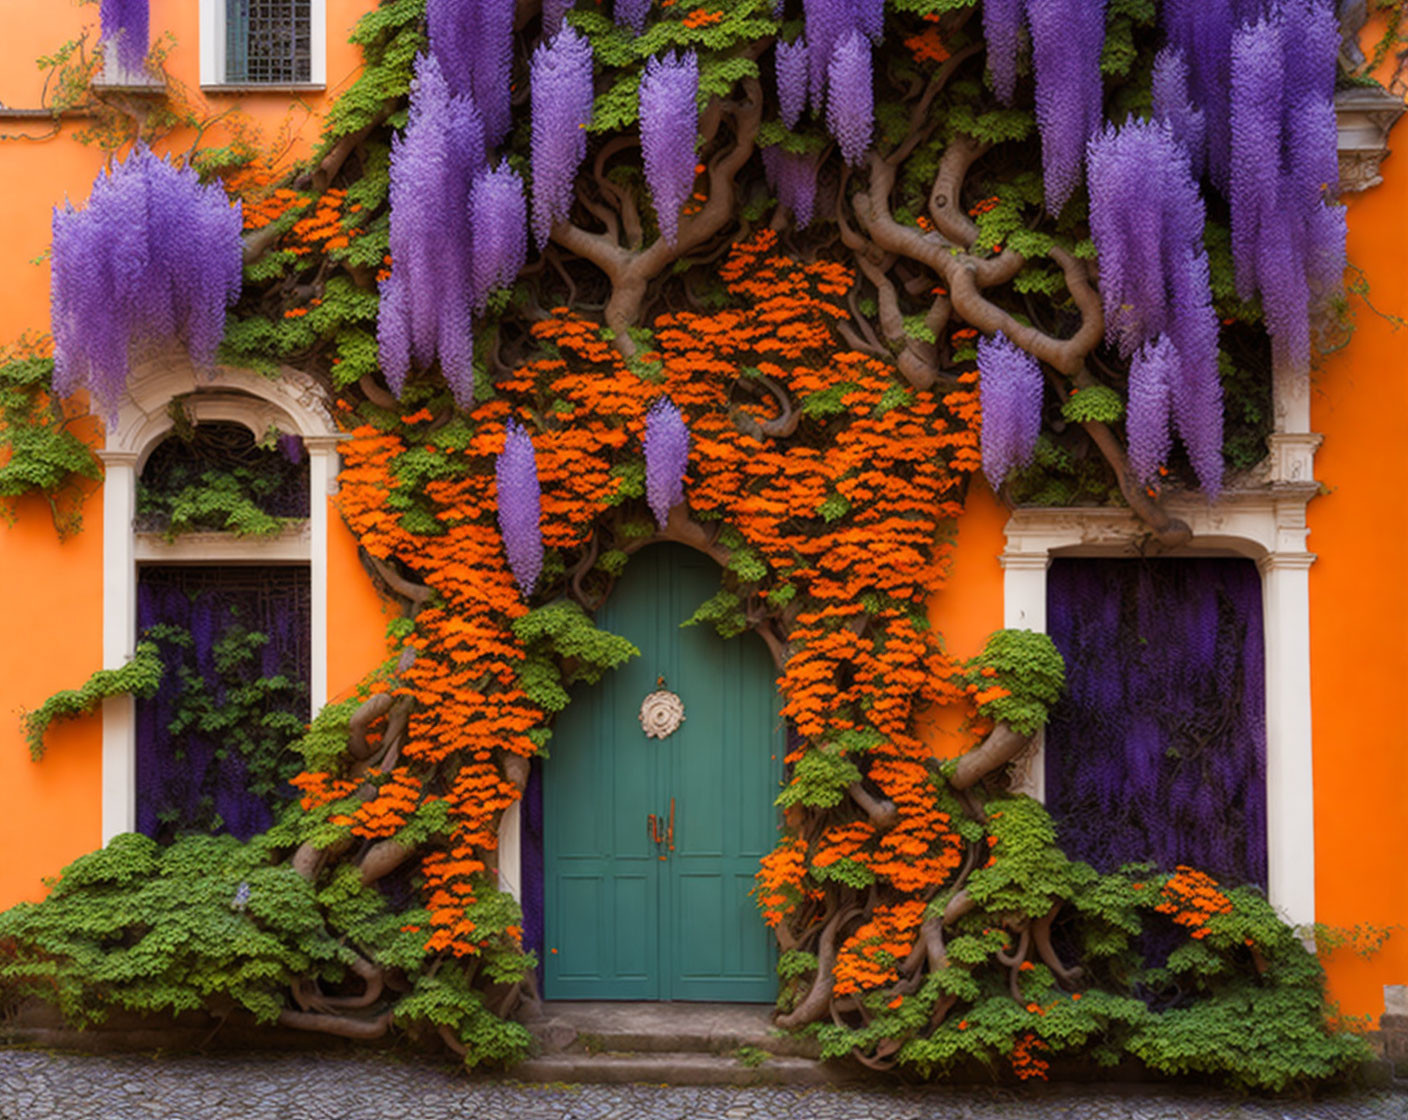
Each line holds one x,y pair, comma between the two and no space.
213,745
1157,753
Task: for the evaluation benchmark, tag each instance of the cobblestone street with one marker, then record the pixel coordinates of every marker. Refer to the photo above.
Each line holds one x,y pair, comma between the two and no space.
41,1086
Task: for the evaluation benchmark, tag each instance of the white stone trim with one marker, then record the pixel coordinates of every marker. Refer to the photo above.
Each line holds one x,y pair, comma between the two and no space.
1262,518
511,851
212,46
292,403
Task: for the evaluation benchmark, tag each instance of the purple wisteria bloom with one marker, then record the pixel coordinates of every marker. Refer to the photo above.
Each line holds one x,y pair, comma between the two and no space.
1002,28
472,40
554,11
1201,31
1173,106
791,63
1067,38
630,13
498,222
793,177
827,23
850,99
869,17
425,302
519,499
561,95
1010,390
1146,218
1154,369
666,458
1287,241
126,25
156,256
669,129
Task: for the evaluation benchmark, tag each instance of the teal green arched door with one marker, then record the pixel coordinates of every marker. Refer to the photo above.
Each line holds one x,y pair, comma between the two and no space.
625,917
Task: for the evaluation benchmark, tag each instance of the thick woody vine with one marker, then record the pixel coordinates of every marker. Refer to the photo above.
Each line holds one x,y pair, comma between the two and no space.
813,314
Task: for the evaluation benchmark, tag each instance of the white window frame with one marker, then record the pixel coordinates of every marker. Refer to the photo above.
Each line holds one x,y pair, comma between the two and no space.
212,50
1262,517
293,403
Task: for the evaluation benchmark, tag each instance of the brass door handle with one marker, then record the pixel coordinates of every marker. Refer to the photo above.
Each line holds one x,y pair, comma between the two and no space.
670,832
652,823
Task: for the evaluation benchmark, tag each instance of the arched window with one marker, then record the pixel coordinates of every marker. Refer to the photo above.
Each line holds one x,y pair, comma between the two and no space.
234,636
215,522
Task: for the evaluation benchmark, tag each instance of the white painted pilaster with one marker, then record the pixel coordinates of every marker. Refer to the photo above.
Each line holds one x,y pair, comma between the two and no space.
511,851
1290,786
322,471
119,786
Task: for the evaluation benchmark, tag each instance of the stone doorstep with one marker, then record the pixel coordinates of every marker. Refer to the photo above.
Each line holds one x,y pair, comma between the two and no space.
671,1043
709,1028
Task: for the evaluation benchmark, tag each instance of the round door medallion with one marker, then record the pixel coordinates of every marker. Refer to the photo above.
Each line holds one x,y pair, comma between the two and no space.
661,714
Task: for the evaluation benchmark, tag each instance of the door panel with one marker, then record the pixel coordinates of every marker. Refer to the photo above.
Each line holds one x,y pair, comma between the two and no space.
682,927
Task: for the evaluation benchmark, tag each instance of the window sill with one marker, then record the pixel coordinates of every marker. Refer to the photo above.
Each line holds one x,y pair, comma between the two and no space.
264,87
291,545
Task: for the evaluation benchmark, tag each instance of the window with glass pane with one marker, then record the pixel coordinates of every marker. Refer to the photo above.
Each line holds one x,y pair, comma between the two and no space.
268,41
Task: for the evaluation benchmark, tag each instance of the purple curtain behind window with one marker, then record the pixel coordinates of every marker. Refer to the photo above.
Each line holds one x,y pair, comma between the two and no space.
184,782
1158,751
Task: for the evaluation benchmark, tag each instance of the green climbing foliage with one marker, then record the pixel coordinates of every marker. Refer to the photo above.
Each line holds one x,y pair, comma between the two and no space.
1238,1001
1095,403
141,676
564,646
41,453
1016,679
152,929
820,779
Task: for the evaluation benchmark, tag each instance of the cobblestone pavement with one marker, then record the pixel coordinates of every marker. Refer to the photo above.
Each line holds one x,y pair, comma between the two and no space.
39,1086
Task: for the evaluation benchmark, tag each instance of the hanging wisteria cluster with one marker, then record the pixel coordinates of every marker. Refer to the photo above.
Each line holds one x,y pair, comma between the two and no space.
1010,384
793,177
669,92
472,40
1146,218
791,62
1201,32
1287,241
154,257
630,13
1173,105
666,458
425,301
126,25
520,506
554,12
850,105
560,90
1067,39
830,66
498,225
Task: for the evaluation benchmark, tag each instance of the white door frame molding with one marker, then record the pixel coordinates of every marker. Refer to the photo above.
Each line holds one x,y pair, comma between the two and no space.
1262,517
292,403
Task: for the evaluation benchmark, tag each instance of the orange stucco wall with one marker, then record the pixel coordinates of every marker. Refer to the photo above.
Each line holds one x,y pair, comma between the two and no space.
1359,605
